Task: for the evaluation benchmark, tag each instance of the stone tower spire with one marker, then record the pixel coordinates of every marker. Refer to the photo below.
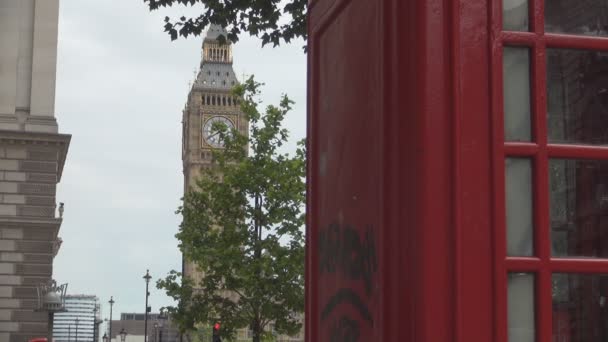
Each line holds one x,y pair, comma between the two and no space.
210,100
216,62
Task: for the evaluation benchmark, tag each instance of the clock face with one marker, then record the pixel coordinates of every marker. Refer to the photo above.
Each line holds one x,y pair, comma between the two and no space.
212,137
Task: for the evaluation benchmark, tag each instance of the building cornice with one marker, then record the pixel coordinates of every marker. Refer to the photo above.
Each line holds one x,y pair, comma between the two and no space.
61,141
10,221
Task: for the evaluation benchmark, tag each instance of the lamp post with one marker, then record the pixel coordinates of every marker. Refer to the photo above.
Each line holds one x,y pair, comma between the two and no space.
96,323
51,299
76,329
147,277
123,335
69,333
155,332
111,301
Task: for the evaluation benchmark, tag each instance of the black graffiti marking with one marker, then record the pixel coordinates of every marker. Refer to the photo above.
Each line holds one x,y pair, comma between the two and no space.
342,250
346,295
345,330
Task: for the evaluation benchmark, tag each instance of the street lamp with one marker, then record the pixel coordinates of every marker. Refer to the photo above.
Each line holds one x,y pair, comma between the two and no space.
51,299
155,332
76,329
147,277
96,322
111,301
123,335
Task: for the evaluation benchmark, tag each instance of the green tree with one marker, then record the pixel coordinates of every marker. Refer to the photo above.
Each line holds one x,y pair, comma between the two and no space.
272,21
243,227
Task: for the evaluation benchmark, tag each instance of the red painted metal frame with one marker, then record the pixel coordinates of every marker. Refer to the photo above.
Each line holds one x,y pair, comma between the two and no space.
539,150
435,248
416,296
443,266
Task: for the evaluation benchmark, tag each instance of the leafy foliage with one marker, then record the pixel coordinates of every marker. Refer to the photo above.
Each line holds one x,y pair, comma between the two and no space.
265,19
242,226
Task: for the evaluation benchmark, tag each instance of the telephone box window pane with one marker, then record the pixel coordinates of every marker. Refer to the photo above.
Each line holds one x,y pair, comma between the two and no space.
521,307
516,91
580,17
577,96
518,190
515,15
580,311
579,207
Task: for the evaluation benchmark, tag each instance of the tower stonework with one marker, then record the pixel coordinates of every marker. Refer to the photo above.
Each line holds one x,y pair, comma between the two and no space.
32,155
210,100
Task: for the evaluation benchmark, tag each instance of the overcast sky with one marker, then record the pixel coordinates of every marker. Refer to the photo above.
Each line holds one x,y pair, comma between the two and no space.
121,87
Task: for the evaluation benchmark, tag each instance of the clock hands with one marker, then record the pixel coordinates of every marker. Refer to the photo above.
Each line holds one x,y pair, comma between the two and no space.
211,135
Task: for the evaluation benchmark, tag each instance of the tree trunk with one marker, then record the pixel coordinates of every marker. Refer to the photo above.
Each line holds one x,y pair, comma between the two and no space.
257,331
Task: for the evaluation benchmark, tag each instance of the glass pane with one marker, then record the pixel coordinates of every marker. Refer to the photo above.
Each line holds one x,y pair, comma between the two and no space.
515,15
579,207
518,190
577,96
584,17
516,91
521,307
580,311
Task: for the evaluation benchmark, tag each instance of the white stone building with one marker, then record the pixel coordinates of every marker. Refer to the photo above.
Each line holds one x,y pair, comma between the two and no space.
32,155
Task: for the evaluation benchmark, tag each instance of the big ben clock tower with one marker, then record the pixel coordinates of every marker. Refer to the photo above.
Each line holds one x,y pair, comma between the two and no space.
210,100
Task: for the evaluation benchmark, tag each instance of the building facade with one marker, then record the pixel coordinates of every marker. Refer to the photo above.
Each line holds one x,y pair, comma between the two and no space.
32,155
78,323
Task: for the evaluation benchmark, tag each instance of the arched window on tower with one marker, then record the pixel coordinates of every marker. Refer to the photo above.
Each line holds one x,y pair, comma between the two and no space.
223,100
213,100
230,100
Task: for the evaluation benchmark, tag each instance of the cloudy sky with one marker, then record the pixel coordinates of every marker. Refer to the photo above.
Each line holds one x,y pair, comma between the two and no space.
121,86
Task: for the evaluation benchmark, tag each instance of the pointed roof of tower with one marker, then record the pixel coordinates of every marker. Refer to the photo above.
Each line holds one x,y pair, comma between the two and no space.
214,31
215,74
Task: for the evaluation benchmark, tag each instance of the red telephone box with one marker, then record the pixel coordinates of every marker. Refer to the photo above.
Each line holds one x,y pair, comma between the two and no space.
458,171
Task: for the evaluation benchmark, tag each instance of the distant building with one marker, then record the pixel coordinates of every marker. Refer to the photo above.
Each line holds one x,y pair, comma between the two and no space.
77,324
160,328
